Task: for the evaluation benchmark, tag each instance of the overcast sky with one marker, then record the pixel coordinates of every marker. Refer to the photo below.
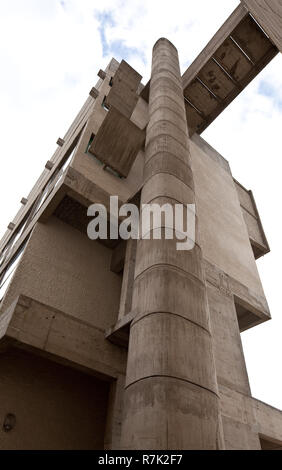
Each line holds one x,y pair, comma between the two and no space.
50,52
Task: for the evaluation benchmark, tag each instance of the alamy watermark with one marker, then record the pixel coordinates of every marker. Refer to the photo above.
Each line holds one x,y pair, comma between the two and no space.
152,221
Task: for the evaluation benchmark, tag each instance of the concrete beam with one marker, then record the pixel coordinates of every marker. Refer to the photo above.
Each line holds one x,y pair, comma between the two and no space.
222,34
30,323
268,13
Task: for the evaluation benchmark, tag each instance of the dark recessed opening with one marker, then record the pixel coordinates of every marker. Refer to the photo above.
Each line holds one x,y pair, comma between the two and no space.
270,444
104,104
92,137
246,316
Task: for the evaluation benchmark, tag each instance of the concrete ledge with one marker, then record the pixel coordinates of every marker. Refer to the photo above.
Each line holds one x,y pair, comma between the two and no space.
256,310
262,421
119,334
29,323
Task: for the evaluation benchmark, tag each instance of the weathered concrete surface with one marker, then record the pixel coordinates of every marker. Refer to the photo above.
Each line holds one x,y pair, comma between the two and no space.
171,389
35,325
118,142
123,94
229,357
252,218
268,13
250,300
224,236
268,420
65,270
246,420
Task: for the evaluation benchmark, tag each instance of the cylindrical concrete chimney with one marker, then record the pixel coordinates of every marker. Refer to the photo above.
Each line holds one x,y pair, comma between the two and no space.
171,398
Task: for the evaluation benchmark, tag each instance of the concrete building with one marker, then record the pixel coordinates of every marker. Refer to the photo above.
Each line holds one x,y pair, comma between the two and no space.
134,345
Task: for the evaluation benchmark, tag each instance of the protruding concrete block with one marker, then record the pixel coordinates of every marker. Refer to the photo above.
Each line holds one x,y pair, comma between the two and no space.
60,142
123,94
117,142
24,201
11,226
102,74
49,165
94,93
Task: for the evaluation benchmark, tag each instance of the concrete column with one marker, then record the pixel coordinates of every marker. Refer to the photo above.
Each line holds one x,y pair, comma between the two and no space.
171,397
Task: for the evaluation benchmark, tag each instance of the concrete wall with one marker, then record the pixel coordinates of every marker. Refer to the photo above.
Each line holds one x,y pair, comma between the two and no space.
269,421
229,260
224,236
228,351
246,421
34,389
62,268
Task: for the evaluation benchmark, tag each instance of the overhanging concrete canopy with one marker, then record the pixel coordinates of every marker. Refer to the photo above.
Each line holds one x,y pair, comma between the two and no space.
252,219
231,60
118,142
123,94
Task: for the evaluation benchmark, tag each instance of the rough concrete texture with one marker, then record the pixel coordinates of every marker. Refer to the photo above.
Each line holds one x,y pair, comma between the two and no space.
51,331
77,302
268,13
170,384
223,231
77,277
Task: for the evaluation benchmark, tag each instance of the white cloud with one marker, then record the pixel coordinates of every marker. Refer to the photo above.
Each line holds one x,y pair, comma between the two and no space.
50,52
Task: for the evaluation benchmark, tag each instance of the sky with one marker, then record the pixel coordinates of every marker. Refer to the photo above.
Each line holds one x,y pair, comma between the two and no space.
50,53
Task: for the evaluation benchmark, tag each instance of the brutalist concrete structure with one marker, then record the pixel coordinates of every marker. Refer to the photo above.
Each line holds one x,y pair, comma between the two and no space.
135,345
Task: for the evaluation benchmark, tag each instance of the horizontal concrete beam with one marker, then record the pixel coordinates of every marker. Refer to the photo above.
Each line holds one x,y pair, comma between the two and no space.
28,322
